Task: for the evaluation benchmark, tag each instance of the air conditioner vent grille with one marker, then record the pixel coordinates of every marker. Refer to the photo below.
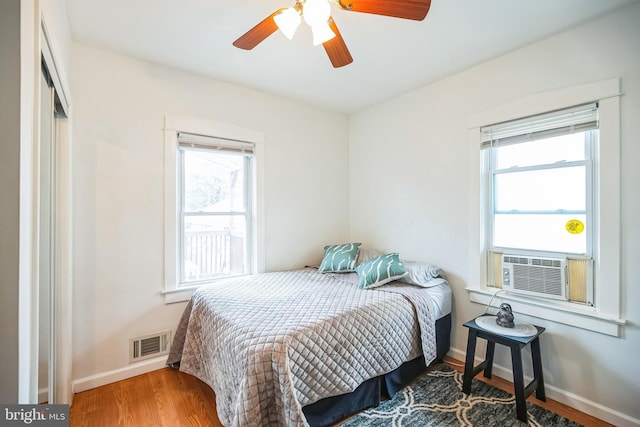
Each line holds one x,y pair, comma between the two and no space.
535,279
544,277
545,262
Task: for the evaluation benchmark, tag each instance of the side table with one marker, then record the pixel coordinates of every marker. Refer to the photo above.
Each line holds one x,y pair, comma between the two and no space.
516,344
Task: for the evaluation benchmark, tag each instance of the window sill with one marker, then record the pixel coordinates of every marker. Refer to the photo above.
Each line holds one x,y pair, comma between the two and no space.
581,317
182,294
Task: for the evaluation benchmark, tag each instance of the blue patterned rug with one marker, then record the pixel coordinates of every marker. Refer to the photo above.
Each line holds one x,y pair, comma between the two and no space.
436,399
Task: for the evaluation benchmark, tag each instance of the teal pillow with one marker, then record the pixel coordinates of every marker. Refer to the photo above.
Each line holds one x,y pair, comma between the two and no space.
378,271
339,258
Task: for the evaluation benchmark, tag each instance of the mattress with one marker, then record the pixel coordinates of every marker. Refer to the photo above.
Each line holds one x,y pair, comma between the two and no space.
442,299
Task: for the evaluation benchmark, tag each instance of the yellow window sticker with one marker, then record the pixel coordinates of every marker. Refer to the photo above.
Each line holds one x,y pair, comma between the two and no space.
574,226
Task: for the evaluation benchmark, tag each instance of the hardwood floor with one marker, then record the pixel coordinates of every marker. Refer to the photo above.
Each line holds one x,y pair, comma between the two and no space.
173,399
165,397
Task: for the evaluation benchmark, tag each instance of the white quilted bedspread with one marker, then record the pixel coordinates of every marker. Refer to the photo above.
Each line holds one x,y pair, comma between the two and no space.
272,343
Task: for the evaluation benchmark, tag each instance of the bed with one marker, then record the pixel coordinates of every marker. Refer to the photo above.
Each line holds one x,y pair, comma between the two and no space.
300,348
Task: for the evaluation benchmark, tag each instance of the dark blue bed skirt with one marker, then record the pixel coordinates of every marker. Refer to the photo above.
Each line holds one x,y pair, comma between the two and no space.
368,394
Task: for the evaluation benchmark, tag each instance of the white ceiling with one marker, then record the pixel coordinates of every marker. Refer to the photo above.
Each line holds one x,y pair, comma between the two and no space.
391,55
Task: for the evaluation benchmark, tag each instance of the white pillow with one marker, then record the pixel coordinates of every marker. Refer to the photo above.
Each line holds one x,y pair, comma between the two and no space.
421,274
366,254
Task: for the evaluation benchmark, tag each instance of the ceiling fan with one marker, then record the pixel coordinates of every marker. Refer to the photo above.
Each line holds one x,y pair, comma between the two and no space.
317,14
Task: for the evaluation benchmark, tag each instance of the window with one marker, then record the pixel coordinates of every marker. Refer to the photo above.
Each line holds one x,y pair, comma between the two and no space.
215,208
213,200
539,174
520,216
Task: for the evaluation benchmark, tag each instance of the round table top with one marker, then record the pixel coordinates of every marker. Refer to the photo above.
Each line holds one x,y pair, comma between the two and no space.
519,330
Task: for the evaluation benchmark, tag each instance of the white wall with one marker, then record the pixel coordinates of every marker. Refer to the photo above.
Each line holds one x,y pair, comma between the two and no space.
119,107
408,162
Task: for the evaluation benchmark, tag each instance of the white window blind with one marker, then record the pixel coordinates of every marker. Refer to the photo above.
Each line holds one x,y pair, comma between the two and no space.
208,142
577,119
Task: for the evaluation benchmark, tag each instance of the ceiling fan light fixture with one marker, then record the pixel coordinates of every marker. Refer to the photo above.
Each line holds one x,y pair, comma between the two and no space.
316,12
288,21
321,33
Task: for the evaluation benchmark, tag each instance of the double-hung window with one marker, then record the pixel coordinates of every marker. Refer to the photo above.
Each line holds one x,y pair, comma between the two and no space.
213,198
215,177
540,193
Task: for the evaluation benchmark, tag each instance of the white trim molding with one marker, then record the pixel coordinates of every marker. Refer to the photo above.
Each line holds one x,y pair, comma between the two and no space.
28,226
104,378
584,317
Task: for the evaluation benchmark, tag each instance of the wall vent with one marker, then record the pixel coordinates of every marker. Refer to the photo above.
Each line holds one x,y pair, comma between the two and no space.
147,346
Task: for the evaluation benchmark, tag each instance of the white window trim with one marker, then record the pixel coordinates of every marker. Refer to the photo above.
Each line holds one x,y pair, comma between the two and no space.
605,316
174,124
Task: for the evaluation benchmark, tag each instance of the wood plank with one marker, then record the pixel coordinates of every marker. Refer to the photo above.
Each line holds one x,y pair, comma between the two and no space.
165,397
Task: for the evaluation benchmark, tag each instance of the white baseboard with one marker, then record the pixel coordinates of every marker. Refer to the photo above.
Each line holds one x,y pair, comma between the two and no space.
109,377
570,399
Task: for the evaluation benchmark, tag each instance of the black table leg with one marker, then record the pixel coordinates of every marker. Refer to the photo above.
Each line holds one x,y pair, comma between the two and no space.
491,346
518,383
537,369
469,361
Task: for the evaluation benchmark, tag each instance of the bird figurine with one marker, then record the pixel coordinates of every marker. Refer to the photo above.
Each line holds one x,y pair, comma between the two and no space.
504,317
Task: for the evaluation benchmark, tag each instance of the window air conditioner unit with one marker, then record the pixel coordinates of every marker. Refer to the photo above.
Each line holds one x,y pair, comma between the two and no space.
542,277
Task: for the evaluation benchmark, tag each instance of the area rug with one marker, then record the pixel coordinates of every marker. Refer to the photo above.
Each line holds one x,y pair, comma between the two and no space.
436,399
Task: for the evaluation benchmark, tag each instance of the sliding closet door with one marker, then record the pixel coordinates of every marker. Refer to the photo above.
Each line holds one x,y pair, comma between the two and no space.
46,274
55,231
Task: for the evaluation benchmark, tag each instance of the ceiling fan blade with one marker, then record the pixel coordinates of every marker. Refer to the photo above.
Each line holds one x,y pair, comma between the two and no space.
336,48
257,34
407,9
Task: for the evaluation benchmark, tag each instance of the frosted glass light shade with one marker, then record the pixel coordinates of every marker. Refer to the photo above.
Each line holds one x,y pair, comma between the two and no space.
316,12
288,21
321,33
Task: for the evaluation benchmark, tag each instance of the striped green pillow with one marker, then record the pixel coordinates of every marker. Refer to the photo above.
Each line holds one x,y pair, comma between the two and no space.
378,271
339,258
